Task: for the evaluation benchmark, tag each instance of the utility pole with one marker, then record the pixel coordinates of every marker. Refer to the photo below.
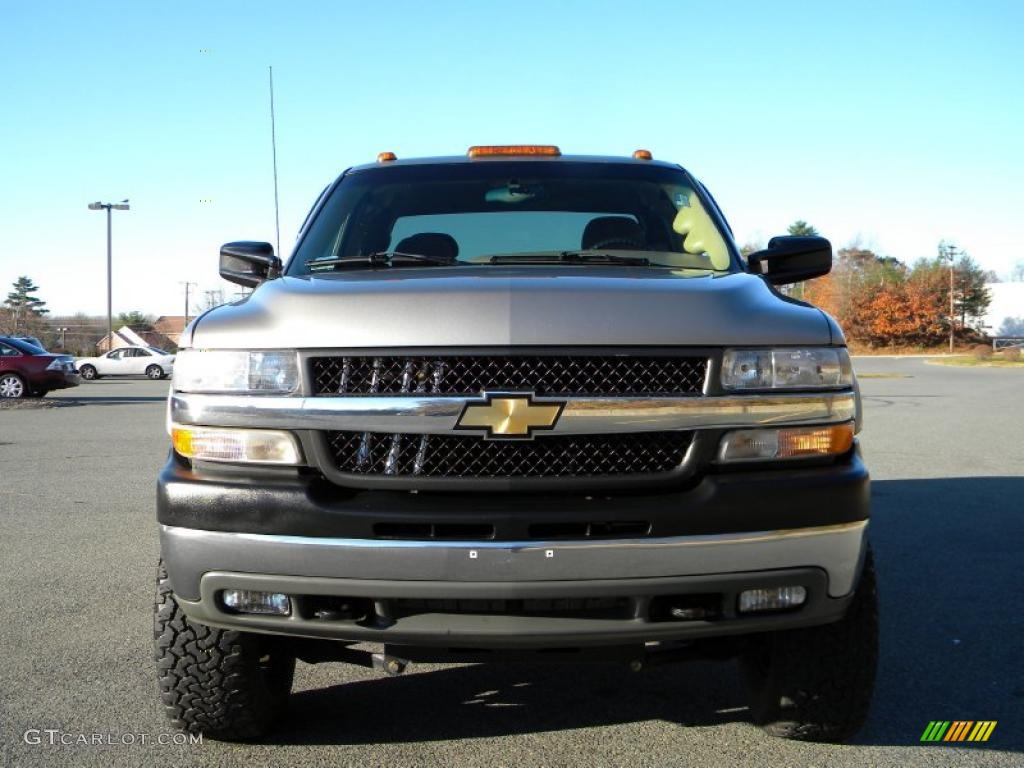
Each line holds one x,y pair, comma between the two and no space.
950,252
62,331
188,284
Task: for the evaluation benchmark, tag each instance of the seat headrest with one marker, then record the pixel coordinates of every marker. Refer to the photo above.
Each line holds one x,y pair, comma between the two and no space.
612,231
437,245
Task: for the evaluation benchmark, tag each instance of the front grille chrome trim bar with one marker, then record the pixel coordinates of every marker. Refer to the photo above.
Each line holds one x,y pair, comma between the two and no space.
581,416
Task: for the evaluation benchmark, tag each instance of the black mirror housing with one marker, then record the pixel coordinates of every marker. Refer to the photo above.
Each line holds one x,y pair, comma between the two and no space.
791,259
248,263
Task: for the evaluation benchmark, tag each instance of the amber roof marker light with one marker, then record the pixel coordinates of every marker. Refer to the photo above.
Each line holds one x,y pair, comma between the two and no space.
643,154
548,150
386,157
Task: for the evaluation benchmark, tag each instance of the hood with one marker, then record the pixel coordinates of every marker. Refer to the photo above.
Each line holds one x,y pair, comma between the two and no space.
510,306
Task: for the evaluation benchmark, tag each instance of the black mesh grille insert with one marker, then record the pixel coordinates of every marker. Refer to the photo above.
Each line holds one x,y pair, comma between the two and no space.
546,376
372,453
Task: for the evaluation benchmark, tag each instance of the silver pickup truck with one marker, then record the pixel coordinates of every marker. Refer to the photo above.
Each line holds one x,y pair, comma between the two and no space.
515,405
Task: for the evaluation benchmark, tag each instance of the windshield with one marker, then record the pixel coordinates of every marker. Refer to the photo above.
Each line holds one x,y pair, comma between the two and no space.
493,212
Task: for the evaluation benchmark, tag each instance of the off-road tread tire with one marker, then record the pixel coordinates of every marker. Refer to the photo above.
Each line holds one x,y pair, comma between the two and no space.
816,684
211,681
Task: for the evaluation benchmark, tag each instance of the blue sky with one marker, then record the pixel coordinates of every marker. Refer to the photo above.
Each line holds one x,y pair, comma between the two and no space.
898,123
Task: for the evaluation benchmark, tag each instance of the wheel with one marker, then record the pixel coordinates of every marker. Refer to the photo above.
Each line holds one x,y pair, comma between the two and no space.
12,386
88,372
227,685
155,372
815,684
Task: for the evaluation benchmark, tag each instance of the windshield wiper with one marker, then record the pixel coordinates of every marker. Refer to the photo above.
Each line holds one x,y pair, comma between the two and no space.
573,257
378,259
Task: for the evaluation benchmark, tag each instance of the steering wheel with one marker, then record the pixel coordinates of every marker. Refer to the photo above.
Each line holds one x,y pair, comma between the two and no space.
618,243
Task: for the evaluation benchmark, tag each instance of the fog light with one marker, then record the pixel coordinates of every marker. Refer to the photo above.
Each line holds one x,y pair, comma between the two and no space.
771,599
249,601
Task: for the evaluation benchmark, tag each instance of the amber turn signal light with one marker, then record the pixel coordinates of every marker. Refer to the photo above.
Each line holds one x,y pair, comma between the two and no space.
786,443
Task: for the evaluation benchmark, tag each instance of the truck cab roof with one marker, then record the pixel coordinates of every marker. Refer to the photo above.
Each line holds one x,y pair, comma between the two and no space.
466,159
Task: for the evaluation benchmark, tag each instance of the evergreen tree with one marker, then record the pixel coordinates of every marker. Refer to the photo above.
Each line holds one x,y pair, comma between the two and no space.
802,228
23,304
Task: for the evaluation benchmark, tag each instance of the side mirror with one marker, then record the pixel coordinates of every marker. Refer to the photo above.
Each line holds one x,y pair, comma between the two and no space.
792,258
249,264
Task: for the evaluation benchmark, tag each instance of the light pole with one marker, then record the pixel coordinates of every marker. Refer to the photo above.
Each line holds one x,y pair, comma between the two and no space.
62,331
122,206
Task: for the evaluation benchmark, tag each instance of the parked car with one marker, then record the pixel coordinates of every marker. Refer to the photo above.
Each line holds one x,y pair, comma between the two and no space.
31,340
28,371
128,361
627,445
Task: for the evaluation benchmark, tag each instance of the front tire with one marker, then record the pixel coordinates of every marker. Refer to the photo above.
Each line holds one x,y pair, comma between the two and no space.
155,372
227,685
12,386
88,372
816,684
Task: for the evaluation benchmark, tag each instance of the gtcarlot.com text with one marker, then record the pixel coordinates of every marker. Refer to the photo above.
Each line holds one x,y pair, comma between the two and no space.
55,737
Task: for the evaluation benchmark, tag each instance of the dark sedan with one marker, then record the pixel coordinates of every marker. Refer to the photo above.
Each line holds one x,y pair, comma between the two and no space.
29,371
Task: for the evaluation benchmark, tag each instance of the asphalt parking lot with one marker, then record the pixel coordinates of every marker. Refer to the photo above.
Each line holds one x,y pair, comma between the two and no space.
78,546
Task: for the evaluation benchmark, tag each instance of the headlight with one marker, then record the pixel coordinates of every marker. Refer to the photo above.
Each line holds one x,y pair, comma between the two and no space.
250,446
787,368
236,370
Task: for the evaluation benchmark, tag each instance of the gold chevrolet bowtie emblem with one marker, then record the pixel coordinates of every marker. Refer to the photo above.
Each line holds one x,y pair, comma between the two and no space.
509,416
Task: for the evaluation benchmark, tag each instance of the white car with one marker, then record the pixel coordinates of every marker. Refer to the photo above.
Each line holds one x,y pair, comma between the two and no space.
127,361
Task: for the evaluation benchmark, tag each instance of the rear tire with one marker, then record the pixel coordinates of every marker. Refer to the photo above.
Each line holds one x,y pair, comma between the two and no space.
88,372
155,372
227,685
12,386
816,684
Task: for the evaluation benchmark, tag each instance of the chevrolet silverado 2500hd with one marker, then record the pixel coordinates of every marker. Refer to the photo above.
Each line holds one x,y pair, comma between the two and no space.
515,405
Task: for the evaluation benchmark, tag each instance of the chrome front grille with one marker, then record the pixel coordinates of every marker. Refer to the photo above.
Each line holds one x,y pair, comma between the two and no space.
543,375
458,456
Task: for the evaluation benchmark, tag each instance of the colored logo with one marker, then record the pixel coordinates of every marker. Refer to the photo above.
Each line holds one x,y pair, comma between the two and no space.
510,416
958,730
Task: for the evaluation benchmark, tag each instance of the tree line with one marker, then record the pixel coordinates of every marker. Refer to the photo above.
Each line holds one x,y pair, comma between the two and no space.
23,313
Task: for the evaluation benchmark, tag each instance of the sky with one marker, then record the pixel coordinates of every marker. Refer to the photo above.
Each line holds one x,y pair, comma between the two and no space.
895,124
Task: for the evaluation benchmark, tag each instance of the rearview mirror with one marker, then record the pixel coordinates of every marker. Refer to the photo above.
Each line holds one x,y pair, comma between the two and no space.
248,263
791,258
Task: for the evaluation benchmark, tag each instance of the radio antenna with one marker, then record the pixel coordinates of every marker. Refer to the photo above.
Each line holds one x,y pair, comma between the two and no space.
273,146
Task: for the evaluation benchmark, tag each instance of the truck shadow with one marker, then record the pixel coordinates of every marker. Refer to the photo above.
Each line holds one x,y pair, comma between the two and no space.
71,400
951,608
